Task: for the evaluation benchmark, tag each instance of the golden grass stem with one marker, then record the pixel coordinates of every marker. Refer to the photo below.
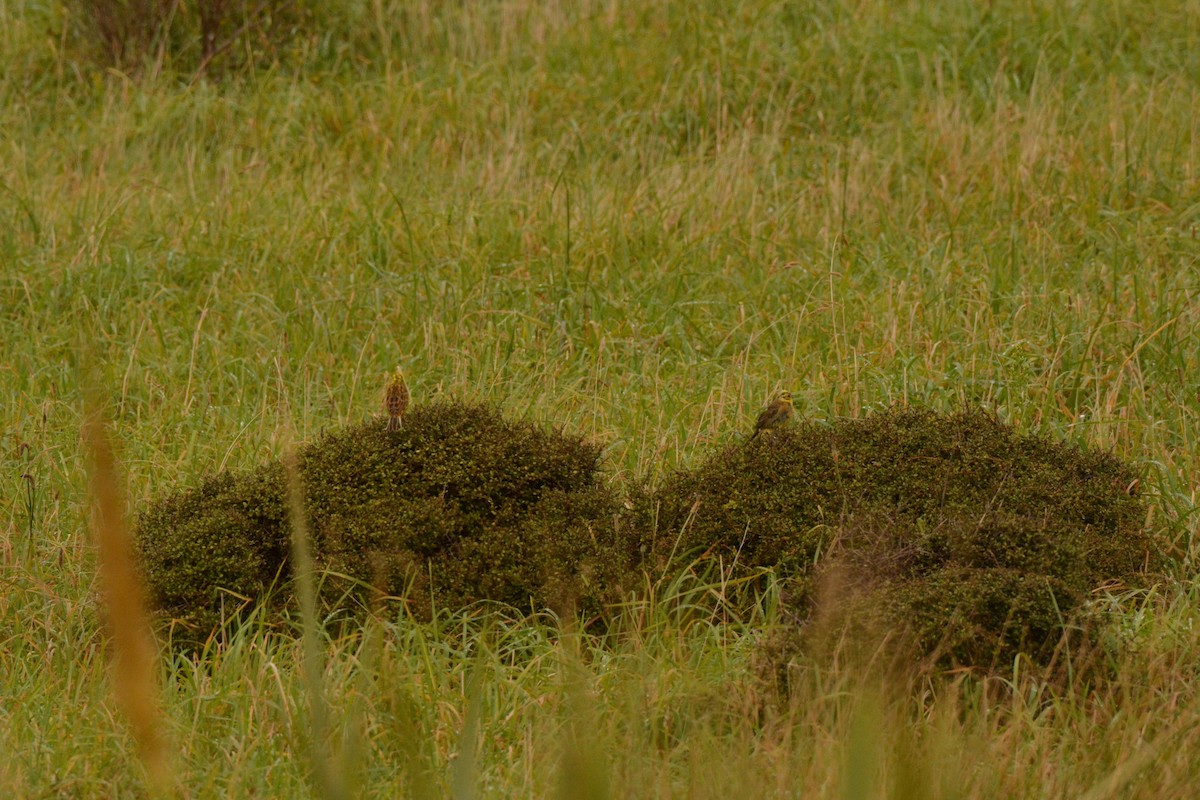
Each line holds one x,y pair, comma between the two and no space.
328,781
134,664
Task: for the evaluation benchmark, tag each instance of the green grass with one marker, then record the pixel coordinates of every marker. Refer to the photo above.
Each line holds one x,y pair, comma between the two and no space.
635,220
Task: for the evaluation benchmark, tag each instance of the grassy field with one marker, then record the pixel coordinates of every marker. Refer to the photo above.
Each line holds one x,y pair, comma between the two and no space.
634,219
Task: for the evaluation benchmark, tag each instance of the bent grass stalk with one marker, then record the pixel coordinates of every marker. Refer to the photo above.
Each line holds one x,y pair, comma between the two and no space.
134,666
329,782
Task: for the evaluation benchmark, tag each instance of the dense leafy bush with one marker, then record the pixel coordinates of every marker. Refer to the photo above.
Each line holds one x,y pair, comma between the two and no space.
209,551
461,505
977,541
458,506
973,541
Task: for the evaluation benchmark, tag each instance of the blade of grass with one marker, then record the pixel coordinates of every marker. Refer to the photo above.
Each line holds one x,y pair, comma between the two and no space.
328,782
134,665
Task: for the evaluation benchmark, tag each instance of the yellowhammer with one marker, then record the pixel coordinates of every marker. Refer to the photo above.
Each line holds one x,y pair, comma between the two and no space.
774,415
395,400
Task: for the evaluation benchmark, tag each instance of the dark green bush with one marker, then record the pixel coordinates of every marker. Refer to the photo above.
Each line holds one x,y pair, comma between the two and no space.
208,551
459,506
976,540
191,37
969,540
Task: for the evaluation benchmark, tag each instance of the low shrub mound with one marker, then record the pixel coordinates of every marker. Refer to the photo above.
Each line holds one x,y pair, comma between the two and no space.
960,536
458,506
973,540
208,551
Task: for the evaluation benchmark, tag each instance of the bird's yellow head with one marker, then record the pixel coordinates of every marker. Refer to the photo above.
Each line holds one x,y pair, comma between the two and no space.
785,397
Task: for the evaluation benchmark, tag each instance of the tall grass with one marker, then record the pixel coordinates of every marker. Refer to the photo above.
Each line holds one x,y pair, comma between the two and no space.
133,672
636,220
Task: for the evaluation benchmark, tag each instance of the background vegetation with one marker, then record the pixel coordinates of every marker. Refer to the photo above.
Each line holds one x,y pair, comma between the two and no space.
634,220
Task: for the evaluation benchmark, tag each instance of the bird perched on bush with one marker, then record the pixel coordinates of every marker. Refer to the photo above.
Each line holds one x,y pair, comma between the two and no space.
395,400
774,415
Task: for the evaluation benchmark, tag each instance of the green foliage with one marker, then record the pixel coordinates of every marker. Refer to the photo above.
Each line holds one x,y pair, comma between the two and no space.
209,550
189,36
983,616
981,540
458,506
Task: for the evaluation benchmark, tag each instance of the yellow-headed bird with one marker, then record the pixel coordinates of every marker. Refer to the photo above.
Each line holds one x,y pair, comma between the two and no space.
774,415
395,400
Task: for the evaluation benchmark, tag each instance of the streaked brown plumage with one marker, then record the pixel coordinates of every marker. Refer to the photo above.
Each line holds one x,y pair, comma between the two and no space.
774,415
395,400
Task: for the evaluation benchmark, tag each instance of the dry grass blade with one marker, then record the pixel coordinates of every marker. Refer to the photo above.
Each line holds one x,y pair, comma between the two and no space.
134,658
1112,783
582,769
327,779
